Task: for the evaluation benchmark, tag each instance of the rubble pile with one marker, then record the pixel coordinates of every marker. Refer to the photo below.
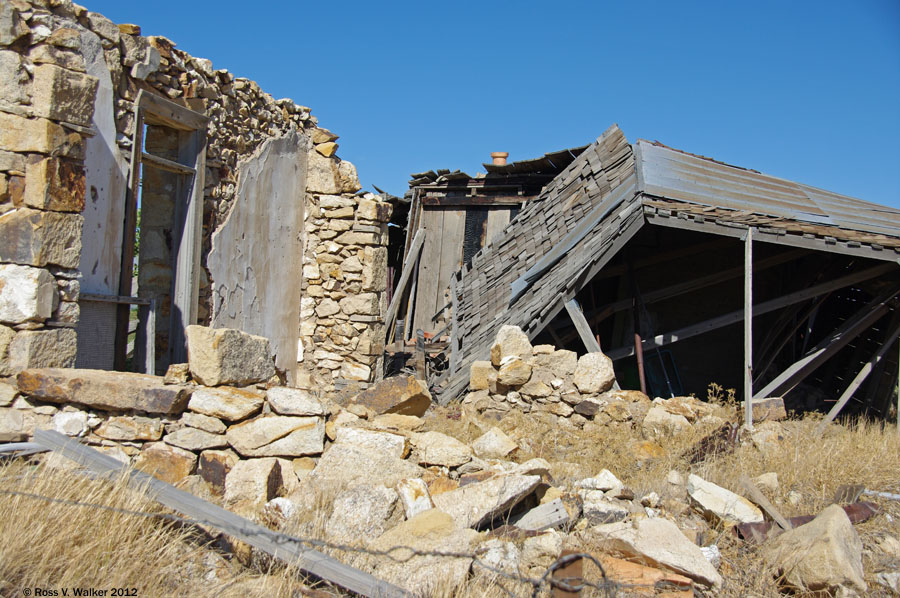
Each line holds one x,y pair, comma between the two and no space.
369,473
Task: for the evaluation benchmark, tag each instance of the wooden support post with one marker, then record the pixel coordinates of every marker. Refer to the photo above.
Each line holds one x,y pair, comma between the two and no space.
420,355
860,378
584,330
411,260
748,329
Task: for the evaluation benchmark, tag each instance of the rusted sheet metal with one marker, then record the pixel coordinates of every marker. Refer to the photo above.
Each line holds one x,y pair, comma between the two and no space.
674,174
758,532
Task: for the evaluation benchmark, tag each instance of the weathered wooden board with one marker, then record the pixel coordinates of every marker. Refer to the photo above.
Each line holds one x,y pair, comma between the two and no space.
280,546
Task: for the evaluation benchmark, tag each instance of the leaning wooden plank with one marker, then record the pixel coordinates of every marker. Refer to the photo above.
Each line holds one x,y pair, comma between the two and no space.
411,258
760,499
281,546
857,382
849,330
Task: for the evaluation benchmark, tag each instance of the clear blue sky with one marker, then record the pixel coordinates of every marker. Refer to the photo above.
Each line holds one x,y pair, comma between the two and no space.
805,90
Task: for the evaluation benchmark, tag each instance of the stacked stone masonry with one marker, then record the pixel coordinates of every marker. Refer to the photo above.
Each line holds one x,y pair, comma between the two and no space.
50,86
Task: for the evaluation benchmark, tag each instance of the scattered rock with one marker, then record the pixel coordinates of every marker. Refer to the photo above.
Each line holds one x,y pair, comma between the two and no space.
414,496
431,530
71,423
343,465
498,554
823,555
494,444
477,504
767,481
604,481
395,421
770,409
594,373
724,505
658,543
399,394
659,423
361,514
393,445
597,508
481,374
513,371
434,448
253,482
510,341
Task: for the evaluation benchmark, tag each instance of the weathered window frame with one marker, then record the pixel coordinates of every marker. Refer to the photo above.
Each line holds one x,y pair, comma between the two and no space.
191,166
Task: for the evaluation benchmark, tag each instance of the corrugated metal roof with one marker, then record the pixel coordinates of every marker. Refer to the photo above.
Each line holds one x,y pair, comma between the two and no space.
673,174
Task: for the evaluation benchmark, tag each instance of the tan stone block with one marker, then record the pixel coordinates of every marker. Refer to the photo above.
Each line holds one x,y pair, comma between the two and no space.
327,149
168,463
47,54
374,210
20,134
43,349
39,238
65,95
55,184
129,28
323,136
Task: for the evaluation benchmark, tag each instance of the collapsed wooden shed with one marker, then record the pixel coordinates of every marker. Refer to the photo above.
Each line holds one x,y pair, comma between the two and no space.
642,249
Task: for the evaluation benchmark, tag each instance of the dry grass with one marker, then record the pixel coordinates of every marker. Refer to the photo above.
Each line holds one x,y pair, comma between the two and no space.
50,545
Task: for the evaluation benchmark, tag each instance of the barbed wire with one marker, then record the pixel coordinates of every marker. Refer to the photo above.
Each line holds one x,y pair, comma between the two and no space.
397,554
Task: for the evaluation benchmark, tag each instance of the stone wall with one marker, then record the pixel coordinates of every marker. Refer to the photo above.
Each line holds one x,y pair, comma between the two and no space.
68,82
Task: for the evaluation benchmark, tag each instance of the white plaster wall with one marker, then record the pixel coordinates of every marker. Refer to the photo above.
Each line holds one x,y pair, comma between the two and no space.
255,261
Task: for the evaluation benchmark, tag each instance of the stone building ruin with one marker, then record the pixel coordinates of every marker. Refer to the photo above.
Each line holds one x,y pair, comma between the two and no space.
247,216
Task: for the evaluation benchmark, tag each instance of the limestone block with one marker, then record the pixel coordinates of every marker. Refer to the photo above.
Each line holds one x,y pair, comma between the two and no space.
403,395
476,504
47,54
20,134
510,341
594,373
769,409
494,444
561,362
361,513
253,482
12,26
513,371
6,337
15,84
230,404
364,303
597,508
278,436
356,371
320,135
323,175
38,238
414,497
70,423
343,465
374,271
103,27
499,554
168,463
11,162
54,184
130,429
214,466
227,356
333,202
112,391
605,481
722,504
12,425
359,238
327,307
64,95
349,181
434,448
26,294
659,422
428,531
54,348
480,375
293,401
372,440
327,149
825,555
659,543
213,425
194,439
374,210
